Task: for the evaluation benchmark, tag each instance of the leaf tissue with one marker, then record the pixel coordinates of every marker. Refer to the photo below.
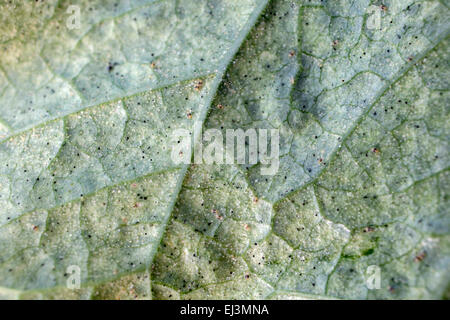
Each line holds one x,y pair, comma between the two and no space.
92,205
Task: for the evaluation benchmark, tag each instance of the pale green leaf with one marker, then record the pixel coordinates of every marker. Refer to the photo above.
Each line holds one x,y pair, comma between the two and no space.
86,176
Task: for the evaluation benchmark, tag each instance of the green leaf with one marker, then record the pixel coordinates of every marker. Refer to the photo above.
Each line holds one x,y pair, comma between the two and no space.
86,177
95,187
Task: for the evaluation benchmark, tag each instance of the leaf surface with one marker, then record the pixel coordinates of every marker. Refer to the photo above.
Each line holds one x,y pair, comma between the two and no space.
86,177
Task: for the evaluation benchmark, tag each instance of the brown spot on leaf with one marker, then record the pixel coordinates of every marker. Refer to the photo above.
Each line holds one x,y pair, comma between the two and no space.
420,257
198,85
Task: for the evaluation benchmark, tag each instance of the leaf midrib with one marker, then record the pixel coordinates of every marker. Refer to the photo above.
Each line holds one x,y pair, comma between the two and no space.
219,76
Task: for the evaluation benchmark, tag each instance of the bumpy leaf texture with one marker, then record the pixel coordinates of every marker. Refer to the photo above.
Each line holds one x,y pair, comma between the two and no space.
86,122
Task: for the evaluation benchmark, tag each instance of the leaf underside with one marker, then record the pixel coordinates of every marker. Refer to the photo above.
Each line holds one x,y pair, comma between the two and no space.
86,122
